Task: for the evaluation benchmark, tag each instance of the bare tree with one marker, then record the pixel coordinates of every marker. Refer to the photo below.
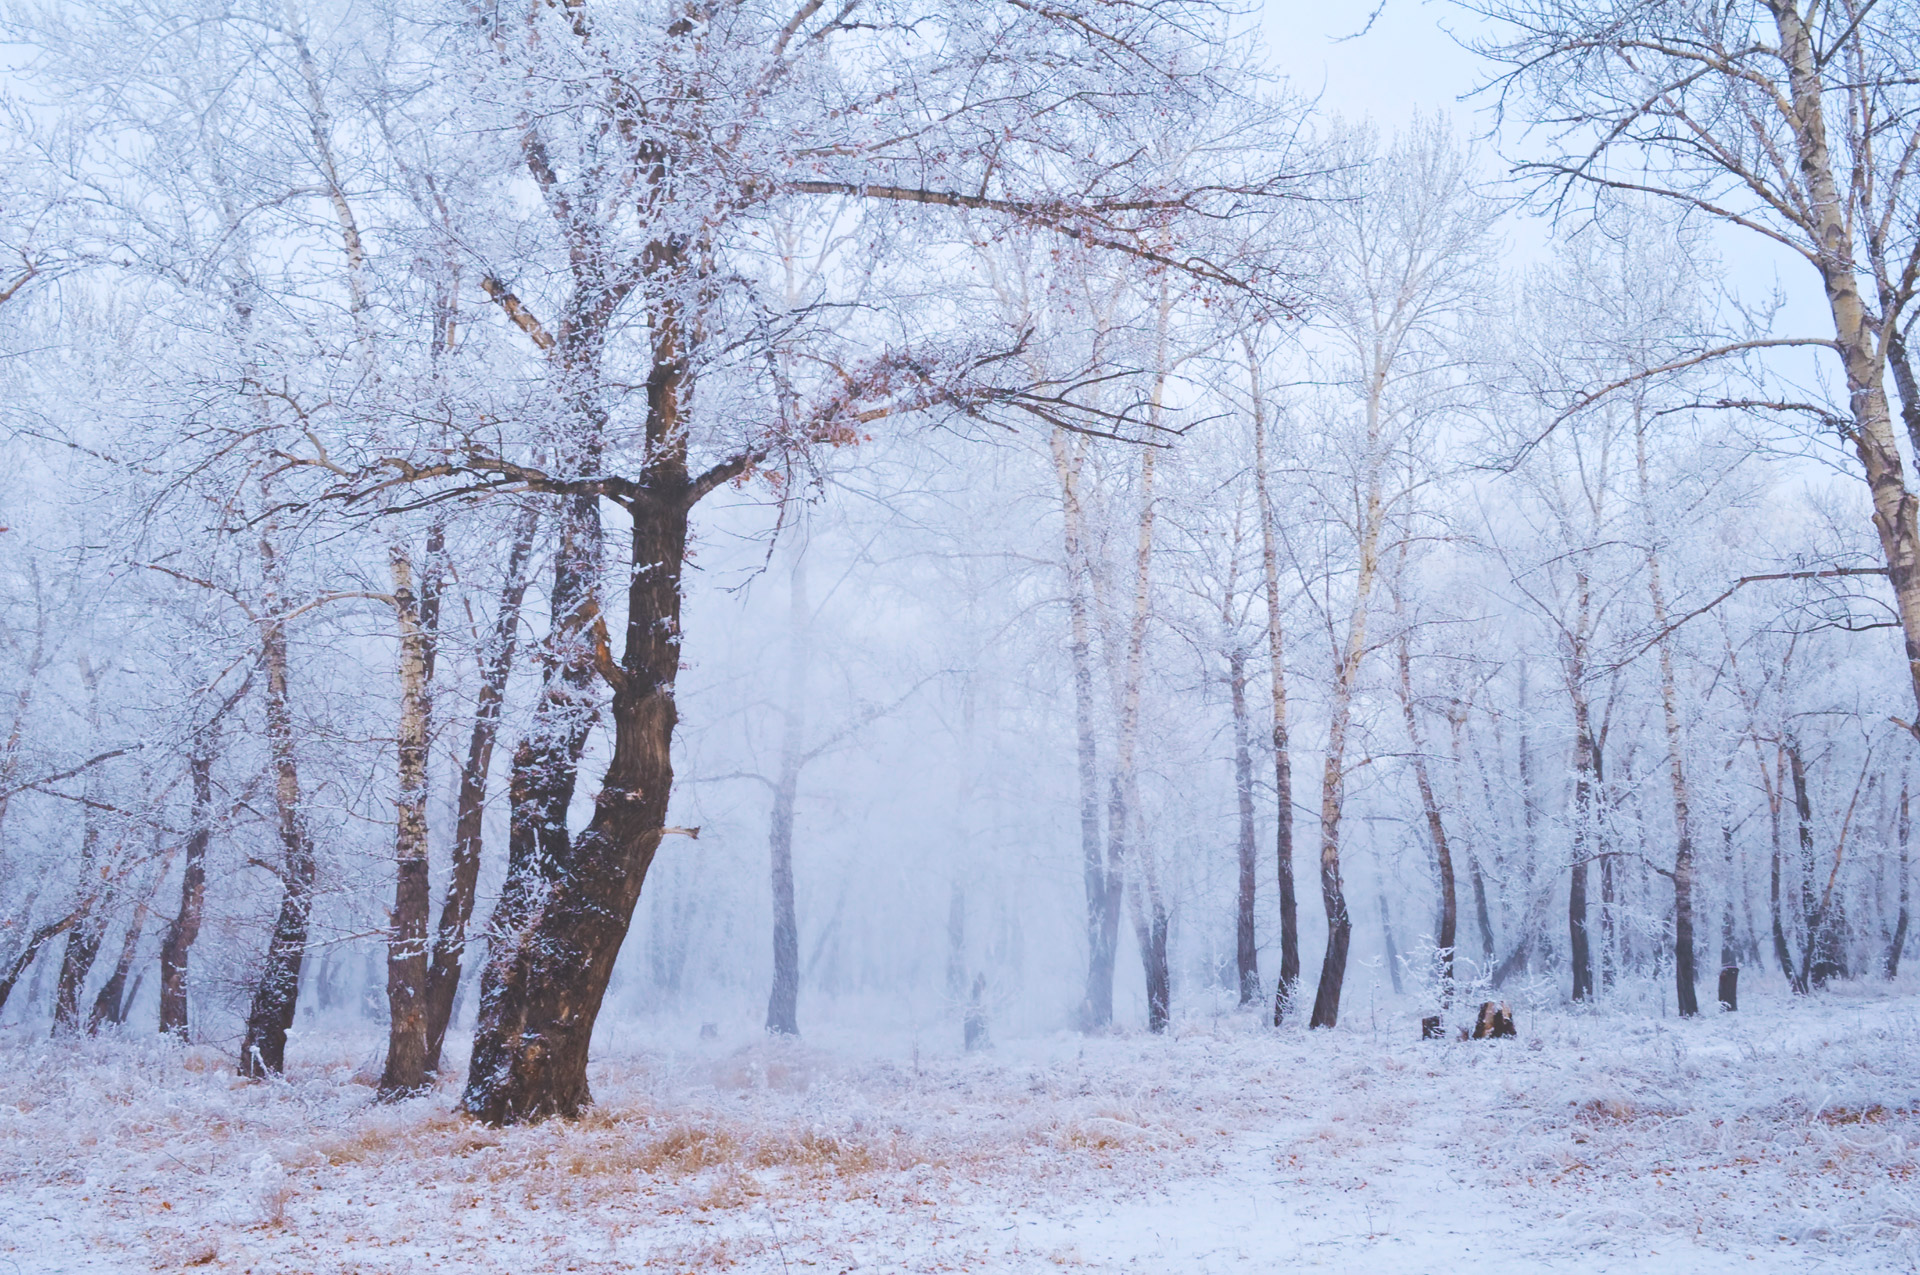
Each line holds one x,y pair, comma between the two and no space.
1790,120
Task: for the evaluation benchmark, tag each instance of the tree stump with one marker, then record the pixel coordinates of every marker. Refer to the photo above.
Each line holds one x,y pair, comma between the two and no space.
1730,988
1495,1021
1430,1028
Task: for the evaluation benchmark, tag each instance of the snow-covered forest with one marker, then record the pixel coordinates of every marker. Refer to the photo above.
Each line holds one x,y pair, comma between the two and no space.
732,634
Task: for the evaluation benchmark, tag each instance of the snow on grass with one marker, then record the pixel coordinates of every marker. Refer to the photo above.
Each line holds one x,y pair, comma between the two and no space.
1757,1141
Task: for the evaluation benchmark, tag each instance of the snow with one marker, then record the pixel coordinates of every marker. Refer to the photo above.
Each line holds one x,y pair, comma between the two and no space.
1782,1138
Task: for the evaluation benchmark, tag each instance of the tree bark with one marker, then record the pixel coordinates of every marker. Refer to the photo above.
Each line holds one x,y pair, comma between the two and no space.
1586,802
1585,813
276,992
76,962
39,939
184,931
110,1005
456,911
1798,975
1862,355
569,901
406,1070
1150,916
1246,953
1282,761
1729,983
97,885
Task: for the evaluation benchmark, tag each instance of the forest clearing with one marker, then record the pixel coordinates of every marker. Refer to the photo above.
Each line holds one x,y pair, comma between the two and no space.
1784,1138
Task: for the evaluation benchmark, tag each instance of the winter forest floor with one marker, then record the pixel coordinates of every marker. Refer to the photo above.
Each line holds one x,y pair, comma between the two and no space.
1782,1138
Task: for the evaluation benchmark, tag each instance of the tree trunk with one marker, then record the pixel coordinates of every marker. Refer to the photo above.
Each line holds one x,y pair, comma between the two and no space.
1102,880
517,1072
184,930
76,962
406,1069
110,1005
1611,954
1797,975
1729,951
1855,332
39,939
456,911
1456,725
1246,953
276,993
783,1000
1151,921
1585,813
1685,997
96,881
1898,944
1436,828
1282,761
569,901
1333,967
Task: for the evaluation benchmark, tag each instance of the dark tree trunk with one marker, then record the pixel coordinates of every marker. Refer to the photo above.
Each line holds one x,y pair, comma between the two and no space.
1610,953
110,1005
1797,975
76,962
529,1051
1480,915
1246,952
1159,976
1686,998
1151,924
276,994
184,930
1282,761
1333,966
568,903
90,929
456,911
39,939
1729,950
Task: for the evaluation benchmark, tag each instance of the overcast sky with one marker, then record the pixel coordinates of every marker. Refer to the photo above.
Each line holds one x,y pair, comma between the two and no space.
1405,61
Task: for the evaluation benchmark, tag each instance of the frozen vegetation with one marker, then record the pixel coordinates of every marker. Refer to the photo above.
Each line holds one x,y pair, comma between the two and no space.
1782,1138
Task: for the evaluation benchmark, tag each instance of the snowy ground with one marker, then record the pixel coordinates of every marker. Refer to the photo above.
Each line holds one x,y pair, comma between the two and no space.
1783,1138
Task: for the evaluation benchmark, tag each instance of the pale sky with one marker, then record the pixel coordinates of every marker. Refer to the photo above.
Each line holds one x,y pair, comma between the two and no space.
1405,61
